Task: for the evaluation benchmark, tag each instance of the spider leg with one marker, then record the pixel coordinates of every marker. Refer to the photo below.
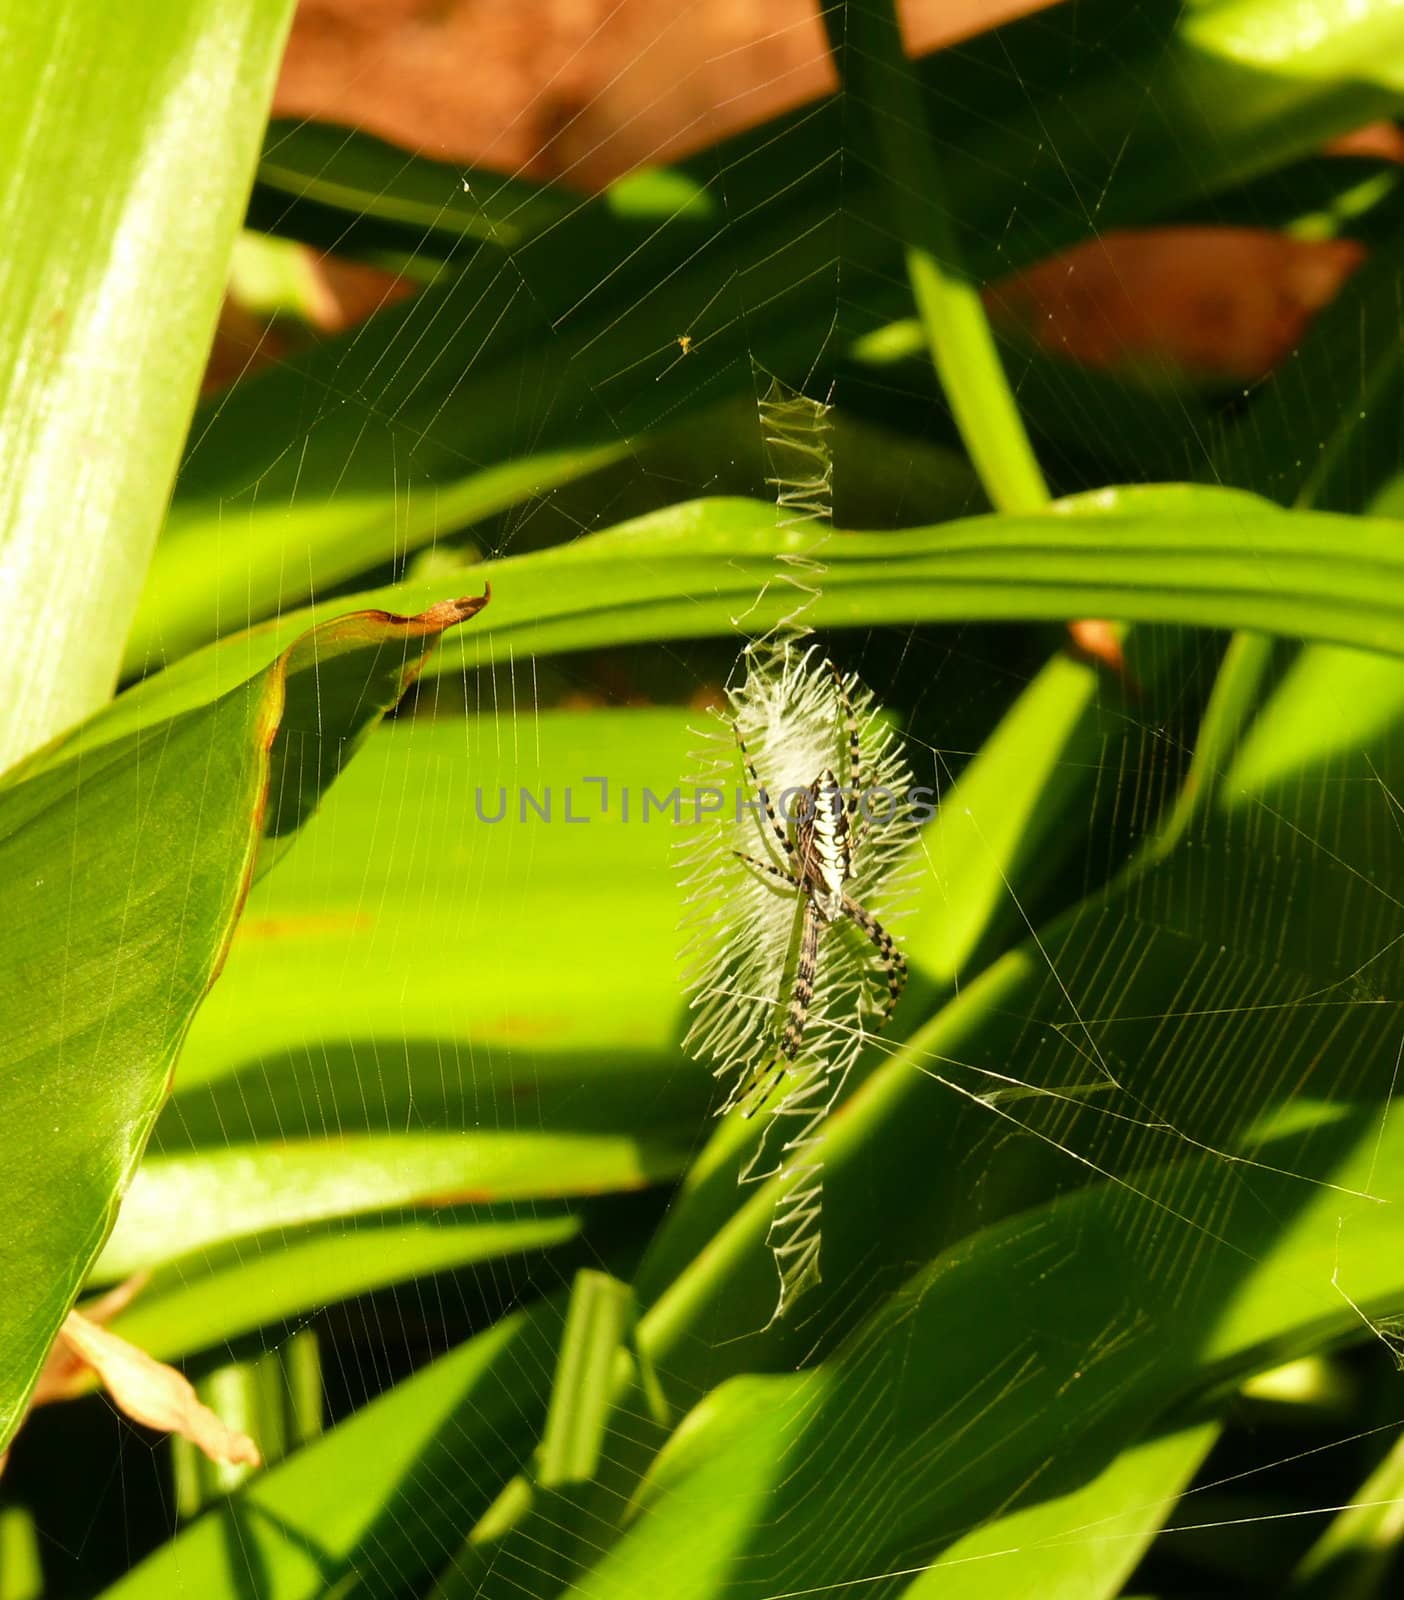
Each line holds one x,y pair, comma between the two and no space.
765,866
893,961
782,837
760,1088
858,789
855,748
798,1018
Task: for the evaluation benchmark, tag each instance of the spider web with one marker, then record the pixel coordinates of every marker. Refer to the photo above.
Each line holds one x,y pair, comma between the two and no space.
1152,1036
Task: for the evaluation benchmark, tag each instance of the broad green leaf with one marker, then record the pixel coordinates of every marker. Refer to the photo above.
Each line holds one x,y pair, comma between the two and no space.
98,375
365,923
383,1497
205,582
518,974
121,875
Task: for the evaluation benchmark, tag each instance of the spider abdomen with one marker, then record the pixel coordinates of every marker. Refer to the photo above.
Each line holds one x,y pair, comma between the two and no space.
825,846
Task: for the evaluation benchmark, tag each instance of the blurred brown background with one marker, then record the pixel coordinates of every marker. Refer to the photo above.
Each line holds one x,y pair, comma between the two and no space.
581,90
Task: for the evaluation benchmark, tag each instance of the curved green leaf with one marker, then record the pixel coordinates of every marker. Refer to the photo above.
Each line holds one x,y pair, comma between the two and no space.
219,567
1176,553
121,875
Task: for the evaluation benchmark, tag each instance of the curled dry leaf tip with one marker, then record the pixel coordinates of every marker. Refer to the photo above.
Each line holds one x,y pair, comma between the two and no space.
447,612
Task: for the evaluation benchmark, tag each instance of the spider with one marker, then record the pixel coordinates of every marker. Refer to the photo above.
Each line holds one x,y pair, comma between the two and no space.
819,846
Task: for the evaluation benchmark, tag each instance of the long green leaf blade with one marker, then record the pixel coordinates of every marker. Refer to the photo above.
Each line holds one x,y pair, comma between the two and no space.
118,224
1177,554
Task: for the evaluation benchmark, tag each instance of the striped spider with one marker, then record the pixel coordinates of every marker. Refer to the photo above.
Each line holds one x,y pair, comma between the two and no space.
817,845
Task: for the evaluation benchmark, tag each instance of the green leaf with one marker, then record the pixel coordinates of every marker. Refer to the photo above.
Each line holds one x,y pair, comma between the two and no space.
21,1568
382,441
891,134
999,831
997,818
146,186
516,399
597,1323
1077,1546
368,923
1014,1049
1155,1022
364,924
1174,553
122,871
206,579
392,453
342,188
1329,704
360,182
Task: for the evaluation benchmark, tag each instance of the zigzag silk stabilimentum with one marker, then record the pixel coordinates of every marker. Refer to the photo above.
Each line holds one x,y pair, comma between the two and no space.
743,923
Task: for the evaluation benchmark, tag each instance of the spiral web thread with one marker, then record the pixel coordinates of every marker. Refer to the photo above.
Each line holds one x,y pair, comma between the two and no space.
743,926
